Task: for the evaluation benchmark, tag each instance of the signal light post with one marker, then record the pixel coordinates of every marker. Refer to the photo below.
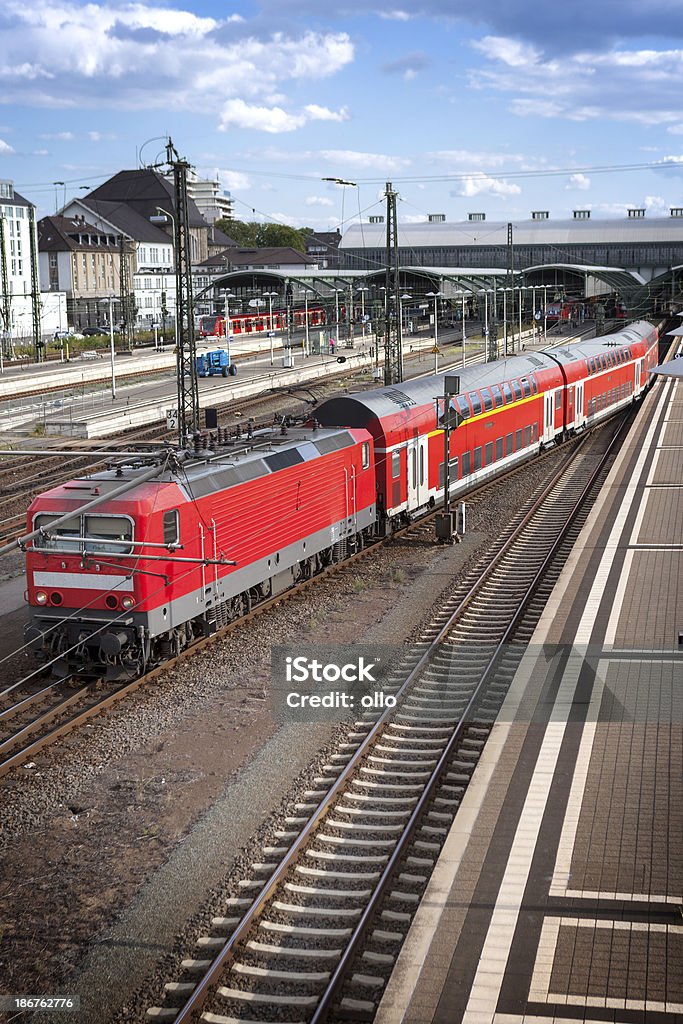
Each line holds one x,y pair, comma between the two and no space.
450,420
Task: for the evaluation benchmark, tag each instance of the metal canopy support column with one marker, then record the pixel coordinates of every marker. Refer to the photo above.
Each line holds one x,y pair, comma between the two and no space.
35,287
510,288
6,307
393,349
125,293
188,389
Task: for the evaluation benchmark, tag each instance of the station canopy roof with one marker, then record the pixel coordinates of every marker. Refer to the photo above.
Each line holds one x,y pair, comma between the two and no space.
623,281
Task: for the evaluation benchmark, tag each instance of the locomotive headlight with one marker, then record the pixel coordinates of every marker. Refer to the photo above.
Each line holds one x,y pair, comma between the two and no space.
127,602
41,597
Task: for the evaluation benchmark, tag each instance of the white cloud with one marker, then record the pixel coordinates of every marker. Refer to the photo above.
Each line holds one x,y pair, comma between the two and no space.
318,201
239,114
413,218
96,136
234,181
508,51
397,15
61,136
140,55
656,204
5,147
477,158
367,161
588,85
482,184
317,113
578,181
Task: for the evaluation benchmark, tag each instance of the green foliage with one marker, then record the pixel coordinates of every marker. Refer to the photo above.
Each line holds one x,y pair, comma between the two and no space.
253,235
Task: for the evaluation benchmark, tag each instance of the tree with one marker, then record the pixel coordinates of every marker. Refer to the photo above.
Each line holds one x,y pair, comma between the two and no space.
260,236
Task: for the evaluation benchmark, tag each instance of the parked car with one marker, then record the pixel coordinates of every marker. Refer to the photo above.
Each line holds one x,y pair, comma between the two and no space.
67,334
90,354
91,332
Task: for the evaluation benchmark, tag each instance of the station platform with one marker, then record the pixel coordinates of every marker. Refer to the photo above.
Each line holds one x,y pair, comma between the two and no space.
557,895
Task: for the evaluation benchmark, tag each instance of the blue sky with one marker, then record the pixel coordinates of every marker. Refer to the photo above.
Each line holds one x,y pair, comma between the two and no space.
505,107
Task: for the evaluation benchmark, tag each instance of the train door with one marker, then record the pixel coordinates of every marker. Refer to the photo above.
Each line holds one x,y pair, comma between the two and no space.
417,473
578,408
548,420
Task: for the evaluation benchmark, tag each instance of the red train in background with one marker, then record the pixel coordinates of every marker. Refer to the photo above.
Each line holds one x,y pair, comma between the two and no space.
256,323
116,584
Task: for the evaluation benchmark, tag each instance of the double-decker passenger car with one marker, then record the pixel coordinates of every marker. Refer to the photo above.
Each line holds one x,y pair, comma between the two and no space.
127,566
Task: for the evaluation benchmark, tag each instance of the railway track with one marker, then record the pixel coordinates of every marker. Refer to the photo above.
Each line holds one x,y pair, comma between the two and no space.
313,932
43,711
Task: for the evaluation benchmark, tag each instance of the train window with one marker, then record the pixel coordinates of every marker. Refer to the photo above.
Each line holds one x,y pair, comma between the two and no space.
497,396
526,387
534,431
558,399
365,454
477,459
591,366
171,527
508,444
108,533
488,401
422,465
66,536
395,465
413,467
462,406
603,362
453,468
534,385
488,453
465,463
442,476
476,403
527,436
517,388
507,391
281,460
499,448
518,440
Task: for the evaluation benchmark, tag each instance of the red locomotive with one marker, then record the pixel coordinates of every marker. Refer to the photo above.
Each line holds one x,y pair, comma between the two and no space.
131,564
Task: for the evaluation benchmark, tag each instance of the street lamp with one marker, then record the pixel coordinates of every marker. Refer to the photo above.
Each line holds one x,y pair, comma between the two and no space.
336,313
521,289
162,217
362,291
110,300
228,296
436,296
270,296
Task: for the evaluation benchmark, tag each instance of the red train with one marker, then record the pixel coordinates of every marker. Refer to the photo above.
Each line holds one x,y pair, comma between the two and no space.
116,584
256,323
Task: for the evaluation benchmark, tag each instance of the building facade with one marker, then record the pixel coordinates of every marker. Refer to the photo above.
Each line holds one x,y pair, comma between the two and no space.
16,302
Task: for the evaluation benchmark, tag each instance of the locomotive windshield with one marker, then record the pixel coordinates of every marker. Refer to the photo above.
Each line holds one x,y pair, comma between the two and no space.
66,536
96,533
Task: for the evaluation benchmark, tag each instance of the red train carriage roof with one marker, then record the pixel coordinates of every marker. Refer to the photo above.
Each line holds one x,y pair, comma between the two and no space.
405,409
394,413
235,462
